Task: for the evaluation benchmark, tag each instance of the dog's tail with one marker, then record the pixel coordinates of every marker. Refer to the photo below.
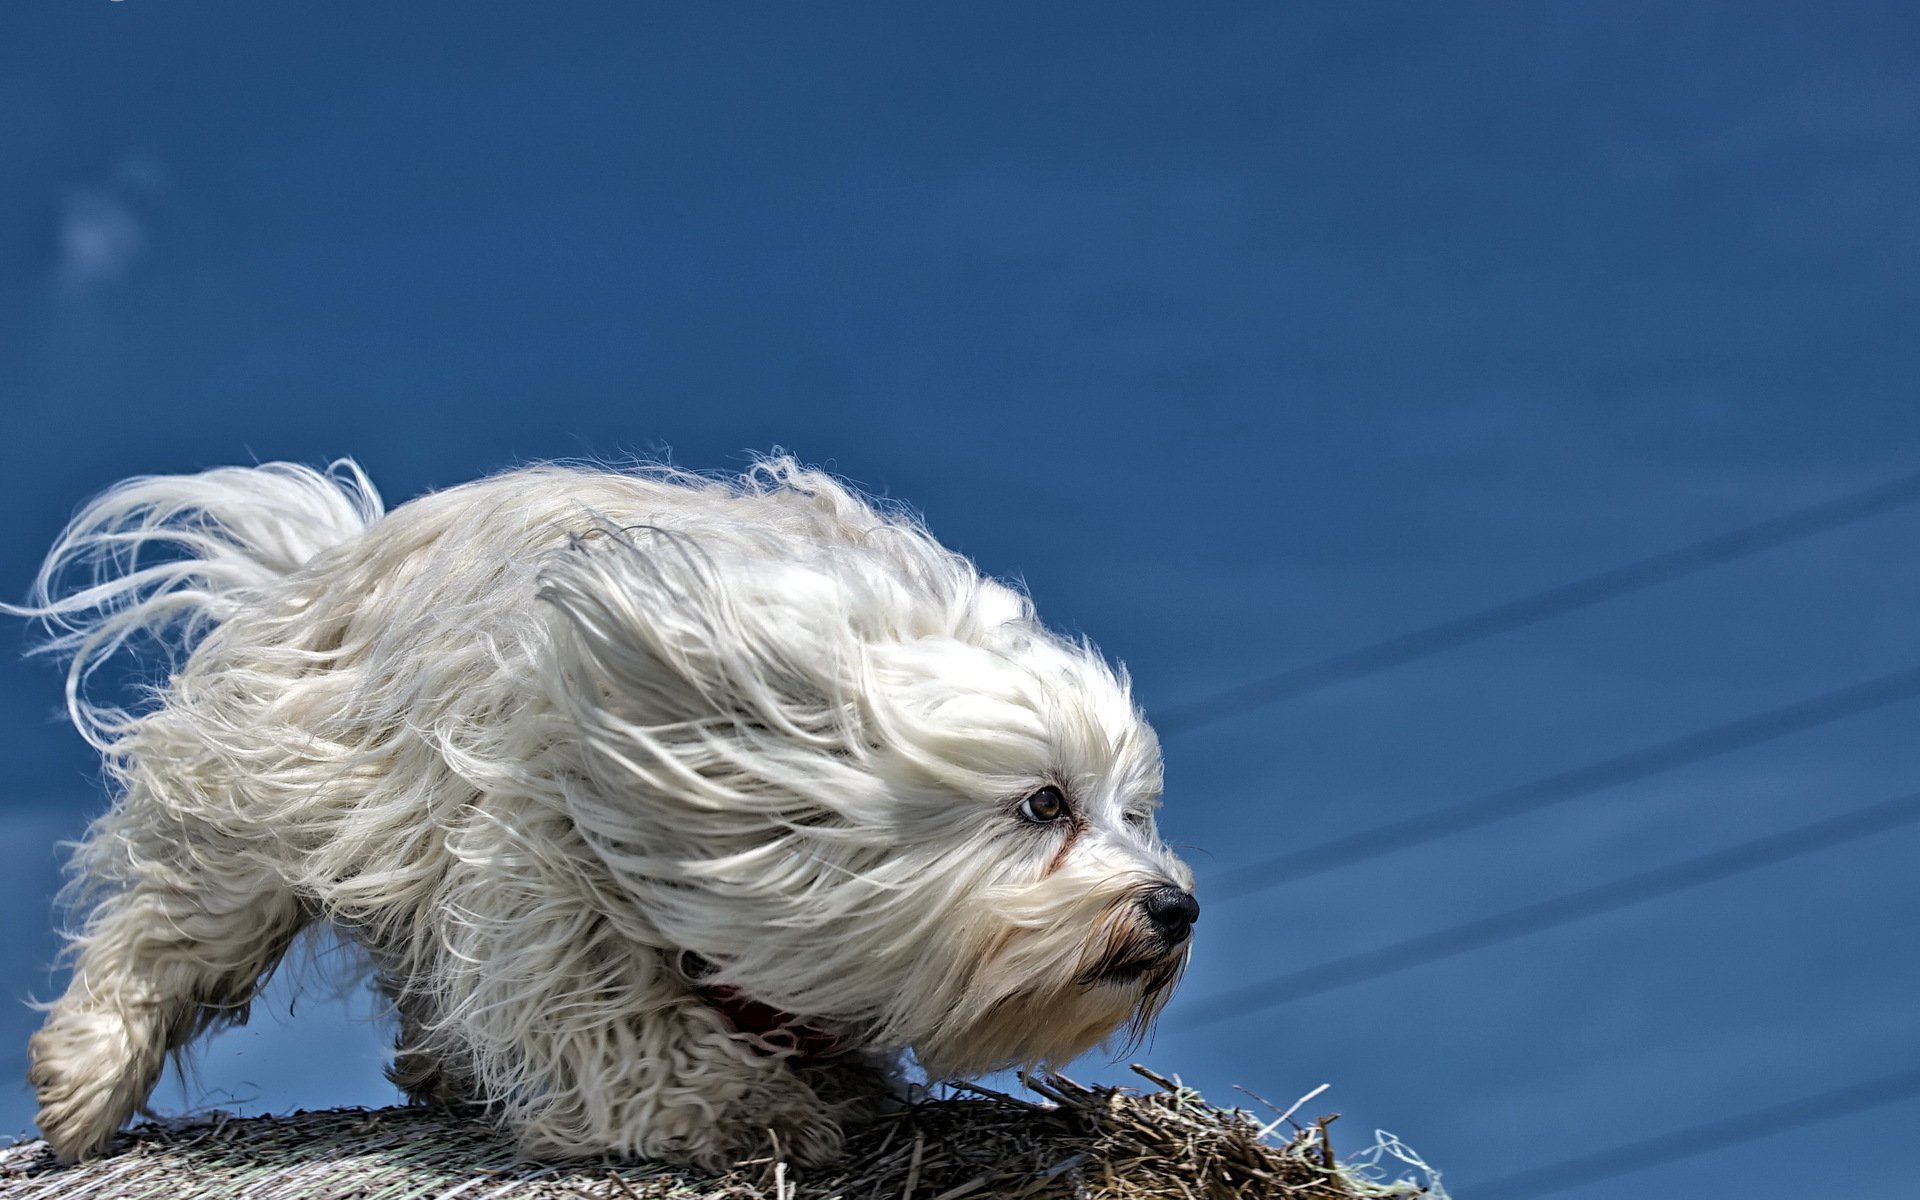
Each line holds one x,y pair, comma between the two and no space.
168,557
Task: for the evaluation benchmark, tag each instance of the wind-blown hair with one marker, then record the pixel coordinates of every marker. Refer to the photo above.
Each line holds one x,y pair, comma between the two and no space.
572,752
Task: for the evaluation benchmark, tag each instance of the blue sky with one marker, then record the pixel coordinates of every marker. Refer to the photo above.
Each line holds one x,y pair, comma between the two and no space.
1242,335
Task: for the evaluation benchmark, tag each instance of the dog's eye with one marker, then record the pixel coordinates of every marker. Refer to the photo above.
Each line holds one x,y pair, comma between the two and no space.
1044,807
1134,817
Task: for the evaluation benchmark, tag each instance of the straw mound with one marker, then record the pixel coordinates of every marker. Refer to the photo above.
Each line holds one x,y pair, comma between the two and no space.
1078,1142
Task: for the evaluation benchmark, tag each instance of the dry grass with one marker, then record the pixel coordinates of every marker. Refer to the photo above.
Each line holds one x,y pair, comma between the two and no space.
1071,1141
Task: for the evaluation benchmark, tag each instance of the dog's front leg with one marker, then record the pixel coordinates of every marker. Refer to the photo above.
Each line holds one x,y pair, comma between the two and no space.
678,1085
586,1039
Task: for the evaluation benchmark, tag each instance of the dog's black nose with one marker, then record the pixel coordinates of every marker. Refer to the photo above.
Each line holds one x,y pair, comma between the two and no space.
1172,910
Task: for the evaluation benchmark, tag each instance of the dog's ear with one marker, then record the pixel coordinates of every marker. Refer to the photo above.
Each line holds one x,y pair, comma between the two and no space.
667,628
698,684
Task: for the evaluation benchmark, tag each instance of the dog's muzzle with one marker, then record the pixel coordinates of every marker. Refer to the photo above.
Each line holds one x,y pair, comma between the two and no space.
1151,949
1171,911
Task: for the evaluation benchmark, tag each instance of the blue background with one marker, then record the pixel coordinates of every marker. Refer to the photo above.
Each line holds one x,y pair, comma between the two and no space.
1243,334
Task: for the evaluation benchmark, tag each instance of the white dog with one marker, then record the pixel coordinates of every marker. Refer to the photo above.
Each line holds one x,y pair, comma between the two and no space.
670,811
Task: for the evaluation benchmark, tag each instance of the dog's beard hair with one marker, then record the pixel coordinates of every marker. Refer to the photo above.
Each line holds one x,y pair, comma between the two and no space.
1042,995
760,721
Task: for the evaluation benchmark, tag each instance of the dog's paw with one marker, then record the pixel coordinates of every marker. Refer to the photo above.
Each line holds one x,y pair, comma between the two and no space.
805,1137
90,1071
427,1080
858,1088
805,1134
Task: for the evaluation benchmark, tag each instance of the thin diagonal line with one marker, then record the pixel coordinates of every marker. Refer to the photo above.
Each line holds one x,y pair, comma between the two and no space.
1565,785
1560,910
1697,1140
1542,605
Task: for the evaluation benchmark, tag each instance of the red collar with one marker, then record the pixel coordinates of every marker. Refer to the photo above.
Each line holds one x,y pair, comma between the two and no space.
772,1030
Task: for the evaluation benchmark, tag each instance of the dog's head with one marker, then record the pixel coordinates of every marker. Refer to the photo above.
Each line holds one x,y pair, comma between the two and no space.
861,782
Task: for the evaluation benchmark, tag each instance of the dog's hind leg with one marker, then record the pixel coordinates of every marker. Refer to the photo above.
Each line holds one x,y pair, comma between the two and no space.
420,1066
171,951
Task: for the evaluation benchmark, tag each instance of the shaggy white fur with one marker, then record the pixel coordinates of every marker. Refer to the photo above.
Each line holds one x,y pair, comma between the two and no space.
575,754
